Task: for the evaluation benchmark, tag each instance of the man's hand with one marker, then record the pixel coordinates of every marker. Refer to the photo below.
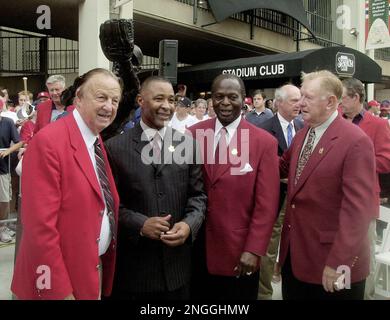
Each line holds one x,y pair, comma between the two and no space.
249,264
177,235
70,297
5,153
329,277
154,227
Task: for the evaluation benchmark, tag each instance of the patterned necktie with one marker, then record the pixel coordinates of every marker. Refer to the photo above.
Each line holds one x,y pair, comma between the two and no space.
103,179
221,150
305,154
289,134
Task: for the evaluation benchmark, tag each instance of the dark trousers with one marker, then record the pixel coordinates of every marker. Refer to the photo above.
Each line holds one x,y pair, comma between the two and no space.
294,289
205,286
180,294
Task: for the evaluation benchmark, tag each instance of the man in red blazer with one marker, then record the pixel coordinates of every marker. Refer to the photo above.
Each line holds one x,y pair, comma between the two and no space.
379,132
242,183
52,109
70,203
331,199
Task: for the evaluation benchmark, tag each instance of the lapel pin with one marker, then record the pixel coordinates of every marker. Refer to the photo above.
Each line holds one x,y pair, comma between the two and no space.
234,152
321,151
171,149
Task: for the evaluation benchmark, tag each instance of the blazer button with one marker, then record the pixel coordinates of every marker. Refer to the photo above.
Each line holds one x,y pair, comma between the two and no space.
102,213
293,206
98,267
289,226
160,194
97,240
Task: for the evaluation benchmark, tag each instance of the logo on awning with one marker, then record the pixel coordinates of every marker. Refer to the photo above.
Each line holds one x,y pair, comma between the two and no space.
345,64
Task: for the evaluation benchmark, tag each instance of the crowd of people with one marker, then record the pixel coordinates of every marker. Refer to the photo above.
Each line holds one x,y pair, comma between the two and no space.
205,199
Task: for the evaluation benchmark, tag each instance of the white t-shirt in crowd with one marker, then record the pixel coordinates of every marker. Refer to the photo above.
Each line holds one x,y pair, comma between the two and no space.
181,125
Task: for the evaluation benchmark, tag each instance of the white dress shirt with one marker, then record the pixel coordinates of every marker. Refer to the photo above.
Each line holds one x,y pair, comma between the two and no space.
320,130
284,123
150,133
89,139
230,131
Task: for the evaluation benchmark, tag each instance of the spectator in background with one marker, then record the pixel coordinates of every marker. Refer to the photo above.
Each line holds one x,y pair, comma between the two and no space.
379,132
385,109
53,108
200,110
8,134
269,103
260,113
42,97
181,120
210,108
373,107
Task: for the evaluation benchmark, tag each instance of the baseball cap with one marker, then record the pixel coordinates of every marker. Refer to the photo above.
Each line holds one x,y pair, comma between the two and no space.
373,103
185,102
248,100
43,94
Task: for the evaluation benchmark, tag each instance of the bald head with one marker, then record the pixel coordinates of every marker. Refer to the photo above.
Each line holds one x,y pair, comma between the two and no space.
286,100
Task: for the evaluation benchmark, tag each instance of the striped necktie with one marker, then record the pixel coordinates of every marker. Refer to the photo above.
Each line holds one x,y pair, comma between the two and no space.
304,158
103,179
289,134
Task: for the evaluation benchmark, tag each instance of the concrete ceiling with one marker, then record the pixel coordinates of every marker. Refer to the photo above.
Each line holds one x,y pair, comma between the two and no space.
64,16
194,46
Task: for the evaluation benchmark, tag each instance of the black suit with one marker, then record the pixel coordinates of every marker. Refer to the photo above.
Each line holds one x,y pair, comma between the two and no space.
145,265
274,127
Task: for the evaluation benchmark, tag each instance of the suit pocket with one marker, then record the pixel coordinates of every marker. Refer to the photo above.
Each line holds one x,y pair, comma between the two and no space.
327,236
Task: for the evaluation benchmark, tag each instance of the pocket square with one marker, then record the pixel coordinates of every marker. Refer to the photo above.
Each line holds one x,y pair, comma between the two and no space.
247,168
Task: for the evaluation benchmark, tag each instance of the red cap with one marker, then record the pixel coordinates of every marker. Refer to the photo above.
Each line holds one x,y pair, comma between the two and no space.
248,100
43,94
373,103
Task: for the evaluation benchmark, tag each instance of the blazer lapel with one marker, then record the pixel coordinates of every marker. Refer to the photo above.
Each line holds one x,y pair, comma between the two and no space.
278,133
323,147
81,154
140,143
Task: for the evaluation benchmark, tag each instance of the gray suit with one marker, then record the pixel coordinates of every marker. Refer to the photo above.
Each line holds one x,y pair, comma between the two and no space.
149,190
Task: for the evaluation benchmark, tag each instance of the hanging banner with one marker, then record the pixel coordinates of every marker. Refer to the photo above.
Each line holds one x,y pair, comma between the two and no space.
377,24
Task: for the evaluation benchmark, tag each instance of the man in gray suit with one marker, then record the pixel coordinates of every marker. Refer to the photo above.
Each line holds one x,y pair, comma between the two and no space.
162,200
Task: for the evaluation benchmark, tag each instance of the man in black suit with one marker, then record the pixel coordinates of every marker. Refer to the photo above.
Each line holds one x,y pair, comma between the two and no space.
162,201
283,127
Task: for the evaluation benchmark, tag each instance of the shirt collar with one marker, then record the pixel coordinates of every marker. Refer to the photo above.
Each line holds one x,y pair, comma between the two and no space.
322,128
359,117
87,134
151,132
230,128
283,121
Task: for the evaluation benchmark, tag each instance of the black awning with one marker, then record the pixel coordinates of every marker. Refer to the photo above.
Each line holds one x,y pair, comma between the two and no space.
293,8
343,61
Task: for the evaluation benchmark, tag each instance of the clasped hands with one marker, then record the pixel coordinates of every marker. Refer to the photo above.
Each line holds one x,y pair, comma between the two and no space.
159,228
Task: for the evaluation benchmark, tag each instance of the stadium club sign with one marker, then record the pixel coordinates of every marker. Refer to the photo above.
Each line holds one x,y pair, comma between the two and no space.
251,72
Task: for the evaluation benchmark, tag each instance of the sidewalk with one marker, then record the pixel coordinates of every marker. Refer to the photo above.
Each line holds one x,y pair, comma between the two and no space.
6,269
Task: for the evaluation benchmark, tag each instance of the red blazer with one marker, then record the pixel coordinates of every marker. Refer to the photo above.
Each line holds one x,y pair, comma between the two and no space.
378,130
44,114
242,207
61,217
27,131
329,210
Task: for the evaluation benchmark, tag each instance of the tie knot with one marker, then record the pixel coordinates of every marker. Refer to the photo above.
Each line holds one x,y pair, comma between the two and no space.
97,143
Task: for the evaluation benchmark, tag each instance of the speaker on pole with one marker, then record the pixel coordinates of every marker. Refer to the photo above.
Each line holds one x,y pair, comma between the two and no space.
168,60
